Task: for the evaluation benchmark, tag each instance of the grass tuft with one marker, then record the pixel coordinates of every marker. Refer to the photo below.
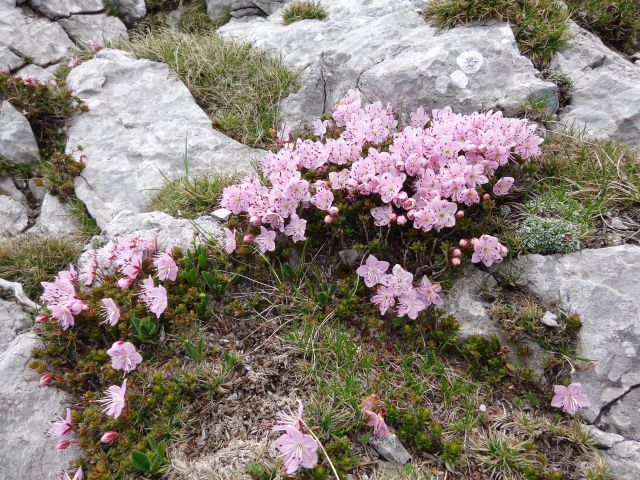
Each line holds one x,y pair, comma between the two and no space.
238,85
190,197
540,26
31,260
303,10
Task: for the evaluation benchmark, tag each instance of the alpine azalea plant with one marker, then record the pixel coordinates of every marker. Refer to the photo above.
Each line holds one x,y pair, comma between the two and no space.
297,449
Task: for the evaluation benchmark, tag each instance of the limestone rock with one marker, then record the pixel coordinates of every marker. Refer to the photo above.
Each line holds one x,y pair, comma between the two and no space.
9,60
31,70
26,412
13,320
602,439
601,287
242,8
141,119
624,460
387,50
55,219
606,89
8,188
30,36
131,10
63,8
101,28
13,217
391,449
17,143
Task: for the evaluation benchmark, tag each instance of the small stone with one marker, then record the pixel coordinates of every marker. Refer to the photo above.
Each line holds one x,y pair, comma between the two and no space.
35,71
221,214
617,223
17,143
391,449
9,60
635,56
63,8
549,319
13,217
38,191
349,257
602,439
8,188
131,10
55,219
83,29
614,239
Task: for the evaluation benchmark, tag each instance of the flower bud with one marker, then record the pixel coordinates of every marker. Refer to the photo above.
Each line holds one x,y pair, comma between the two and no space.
248,237
401,220
109,437
456,252
459,214
455,261
400,166
474,241
125,283
328,219
411,214
63,444
409,204
393,217
364,189
42,318
486,197
45,378
255,220
402,196
333,211
464,243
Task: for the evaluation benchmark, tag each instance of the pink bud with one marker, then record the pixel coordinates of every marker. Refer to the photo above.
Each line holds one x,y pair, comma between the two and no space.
249,237
125,283
45,378
486,197
63,444
459,214
333,211
109,437
474,241
352,182
402,196
411,214
364,189
464,243
456,252
409,204
42,318
401,220
255,220
455,261
393,217
328,219
400,166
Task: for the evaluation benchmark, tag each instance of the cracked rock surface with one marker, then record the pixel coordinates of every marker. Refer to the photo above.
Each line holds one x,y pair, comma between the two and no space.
387,50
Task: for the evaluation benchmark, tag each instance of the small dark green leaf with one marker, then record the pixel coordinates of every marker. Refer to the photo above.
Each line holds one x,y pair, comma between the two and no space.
140,461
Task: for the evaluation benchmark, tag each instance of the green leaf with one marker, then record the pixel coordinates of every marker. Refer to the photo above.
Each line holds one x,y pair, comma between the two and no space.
209,279
140,461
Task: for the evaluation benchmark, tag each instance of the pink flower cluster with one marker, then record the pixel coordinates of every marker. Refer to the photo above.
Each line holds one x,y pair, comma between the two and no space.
397,289
418,175
61,299
298,449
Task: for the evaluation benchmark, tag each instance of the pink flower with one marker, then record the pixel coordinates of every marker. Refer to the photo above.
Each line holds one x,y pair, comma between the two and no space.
488,250
166,266
114,400
570,399
91,268
110,311
109,437
384,298
503,186
429,292
94,44
63,427
372,271
125,283
298,450
323,198
73,62
381,215
266,240
368,403
229,241
155,298
376,421
124,356
296,228
284,420
45,378
78,476
410,305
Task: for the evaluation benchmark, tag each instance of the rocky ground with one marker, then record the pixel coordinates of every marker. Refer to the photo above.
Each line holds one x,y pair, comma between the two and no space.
141,120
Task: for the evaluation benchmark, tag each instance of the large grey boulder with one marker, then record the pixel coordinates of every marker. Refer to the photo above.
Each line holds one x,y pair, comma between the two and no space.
606,89
29,36
131,10
140,123
64,8
83,29
55,219
26,412
242,8
17,143
13,217
388,51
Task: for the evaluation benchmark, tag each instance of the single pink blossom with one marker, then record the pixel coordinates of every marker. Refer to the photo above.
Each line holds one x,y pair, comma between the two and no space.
110,311
291,419
368,403
155,298
410,305
45,378
124,356
298,449
229,240
429,292
503,186
166,266
266,240
376,420
114,400
373,270
62,427
296,228
109,437
488,250
385,298
570,399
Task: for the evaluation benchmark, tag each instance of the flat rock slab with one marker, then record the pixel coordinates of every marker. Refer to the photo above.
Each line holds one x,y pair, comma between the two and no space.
26,412
83,29
388,51
13,217
33,37
55,219
17,143
9,60
605,99
141,121
63,8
